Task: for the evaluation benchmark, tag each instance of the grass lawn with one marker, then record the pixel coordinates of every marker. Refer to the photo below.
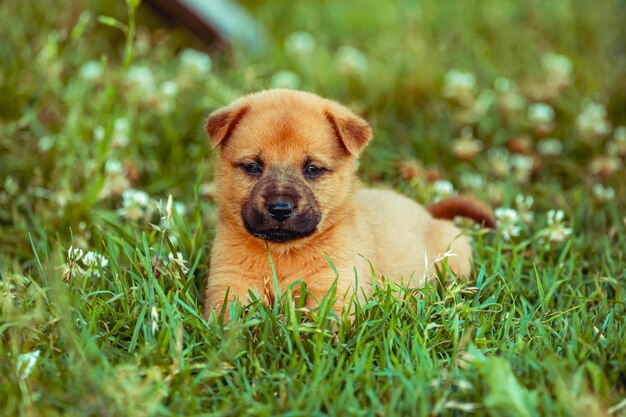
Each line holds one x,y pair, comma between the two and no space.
521,104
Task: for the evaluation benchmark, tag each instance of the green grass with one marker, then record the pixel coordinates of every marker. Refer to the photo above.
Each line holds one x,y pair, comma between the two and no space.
539,332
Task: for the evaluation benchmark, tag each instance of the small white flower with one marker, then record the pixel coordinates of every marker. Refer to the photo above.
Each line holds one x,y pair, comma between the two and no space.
555,217
460,86
605,165
300,44
91,70
466,147
26,363
508,222
74,254
70,271
522,167
136,198
113,167
541,113
45,143
556,230
524,204
94,259
592,121
550,147
459,80
121,125
557,63
558,67
116,181
285,79
134,204
121,129
351,61
195,63
89,259
140,78
443,189
179,261
168,89
98,133
603,194
541,116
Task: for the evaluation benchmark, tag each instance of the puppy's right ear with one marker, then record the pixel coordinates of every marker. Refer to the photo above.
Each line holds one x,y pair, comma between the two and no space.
221,123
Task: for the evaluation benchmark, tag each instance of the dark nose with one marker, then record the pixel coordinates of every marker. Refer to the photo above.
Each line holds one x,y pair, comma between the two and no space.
280,209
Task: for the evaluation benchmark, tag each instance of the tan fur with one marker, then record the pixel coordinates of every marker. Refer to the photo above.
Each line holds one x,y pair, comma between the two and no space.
357,226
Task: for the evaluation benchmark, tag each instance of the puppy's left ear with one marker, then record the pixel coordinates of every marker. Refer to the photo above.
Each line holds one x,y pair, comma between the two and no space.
353,132
221,123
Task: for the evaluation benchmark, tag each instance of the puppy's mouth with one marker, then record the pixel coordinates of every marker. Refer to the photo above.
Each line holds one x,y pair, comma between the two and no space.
261,224
278,235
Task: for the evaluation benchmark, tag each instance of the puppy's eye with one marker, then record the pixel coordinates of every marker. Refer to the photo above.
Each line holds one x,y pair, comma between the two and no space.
311,171
252,168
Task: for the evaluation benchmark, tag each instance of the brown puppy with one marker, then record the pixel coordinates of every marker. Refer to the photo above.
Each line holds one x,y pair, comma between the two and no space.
286,181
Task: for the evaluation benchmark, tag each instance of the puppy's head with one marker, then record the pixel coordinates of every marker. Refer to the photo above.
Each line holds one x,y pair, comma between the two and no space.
286,167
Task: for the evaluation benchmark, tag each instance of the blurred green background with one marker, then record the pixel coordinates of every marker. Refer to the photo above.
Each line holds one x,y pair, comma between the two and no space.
521,104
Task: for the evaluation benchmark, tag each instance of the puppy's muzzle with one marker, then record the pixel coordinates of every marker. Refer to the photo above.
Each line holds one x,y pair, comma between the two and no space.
281,208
